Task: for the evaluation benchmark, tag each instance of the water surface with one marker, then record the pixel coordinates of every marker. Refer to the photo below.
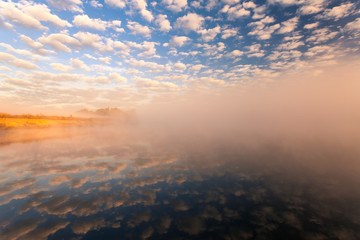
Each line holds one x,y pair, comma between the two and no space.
106,185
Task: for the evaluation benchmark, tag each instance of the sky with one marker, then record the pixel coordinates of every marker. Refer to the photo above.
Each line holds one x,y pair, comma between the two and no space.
62,56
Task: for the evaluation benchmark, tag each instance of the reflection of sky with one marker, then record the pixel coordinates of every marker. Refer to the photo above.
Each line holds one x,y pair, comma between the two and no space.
86,188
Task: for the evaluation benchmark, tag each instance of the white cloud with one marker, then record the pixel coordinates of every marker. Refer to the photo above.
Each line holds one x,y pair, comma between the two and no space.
230,2
29,14
311,25
180,66
11,49
286,2
106,60
139,29
175,5
211,4
255,51
288,25
339,11
148,48
212,81
6,56
209,34
249,4
95,4
163,23
235,53
59,41
71,5
95,23
95,41
235,12
190,22
179,41
16,62
262,31
37,47
285,55
141,5
117,78
61,67
197,67
354,25
116,3
78,64
321,35
150,65
213,49
290,45
312,7
146,82
231,32
259,12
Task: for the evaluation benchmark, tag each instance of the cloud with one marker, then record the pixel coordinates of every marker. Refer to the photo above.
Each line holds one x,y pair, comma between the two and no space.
286,2
261,30
116,3
235,12
339,11
95,41
95,23
150,65
148,48
179,41
70,5
354,25
209,34
106,60
16,62
163,23
78,64
84,226
139,29
29,15
21,228
180,66
321,35
59,41
61,67
141,5
311,25
290,45
175,5
96,4
231,32
59,179
117,78
288,25
197,67
190,22
235,53
37,47
312,7
254,51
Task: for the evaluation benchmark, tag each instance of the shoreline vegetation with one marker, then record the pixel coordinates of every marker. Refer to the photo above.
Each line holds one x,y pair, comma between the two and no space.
25,121
83,117
27,127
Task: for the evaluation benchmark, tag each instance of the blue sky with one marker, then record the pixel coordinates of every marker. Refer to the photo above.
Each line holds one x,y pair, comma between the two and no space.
71,54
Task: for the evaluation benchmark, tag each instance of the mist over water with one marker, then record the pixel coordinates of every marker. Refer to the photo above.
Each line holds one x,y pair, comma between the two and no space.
277,162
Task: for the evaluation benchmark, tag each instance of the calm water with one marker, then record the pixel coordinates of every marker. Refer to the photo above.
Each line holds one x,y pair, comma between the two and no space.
105,185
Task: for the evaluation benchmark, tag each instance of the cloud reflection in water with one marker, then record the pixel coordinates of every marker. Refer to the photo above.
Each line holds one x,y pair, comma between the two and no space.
87,188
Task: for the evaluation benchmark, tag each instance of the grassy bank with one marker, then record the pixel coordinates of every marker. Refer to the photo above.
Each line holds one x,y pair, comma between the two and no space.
8,121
